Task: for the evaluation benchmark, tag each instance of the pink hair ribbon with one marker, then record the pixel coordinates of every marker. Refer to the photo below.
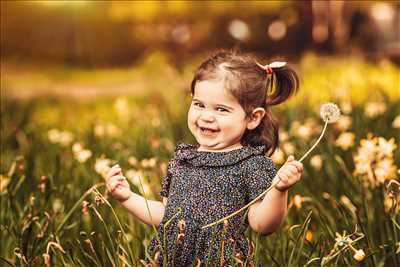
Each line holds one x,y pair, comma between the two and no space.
269,67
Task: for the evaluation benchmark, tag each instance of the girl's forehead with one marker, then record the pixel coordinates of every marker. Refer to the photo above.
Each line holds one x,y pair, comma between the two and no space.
213,91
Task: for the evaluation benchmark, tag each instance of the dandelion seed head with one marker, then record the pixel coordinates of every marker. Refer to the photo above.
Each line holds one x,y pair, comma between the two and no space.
330,112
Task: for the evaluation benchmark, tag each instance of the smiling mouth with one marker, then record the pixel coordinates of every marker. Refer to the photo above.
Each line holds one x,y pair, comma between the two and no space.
206,130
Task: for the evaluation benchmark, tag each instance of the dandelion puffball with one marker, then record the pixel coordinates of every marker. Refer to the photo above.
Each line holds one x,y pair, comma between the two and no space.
330,112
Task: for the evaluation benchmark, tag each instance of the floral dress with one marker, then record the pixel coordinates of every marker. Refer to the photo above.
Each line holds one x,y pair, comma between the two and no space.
203,187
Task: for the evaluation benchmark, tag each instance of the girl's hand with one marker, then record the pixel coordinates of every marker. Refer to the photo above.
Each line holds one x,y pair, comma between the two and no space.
289,174
117,184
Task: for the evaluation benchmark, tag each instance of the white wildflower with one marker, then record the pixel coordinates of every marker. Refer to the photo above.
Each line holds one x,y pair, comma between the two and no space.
83,155
316,162
344,123
102,166
77,147
53,135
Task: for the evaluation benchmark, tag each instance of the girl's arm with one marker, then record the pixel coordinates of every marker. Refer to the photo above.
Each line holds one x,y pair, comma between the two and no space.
137,206
148,211
266,215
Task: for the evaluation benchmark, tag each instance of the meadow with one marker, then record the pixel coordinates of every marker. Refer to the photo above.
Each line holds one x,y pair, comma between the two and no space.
56,149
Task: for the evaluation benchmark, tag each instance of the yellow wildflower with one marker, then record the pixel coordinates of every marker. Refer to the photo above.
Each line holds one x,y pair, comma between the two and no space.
148,163
345,140
396,122
386,148
374,109
297,201
121,106
132,160
309,236
346,107
344,123
374,160
4,181
288,148
283,136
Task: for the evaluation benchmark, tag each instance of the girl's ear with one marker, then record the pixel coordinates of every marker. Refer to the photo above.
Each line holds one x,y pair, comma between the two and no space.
255,118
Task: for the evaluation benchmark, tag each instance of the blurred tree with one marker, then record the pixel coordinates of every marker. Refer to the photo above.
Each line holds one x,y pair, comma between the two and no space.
97,33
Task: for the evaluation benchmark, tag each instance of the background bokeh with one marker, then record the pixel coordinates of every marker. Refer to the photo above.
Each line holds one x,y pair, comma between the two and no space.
87,84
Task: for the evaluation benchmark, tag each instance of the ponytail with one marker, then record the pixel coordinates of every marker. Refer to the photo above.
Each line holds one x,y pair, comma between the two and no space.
283,83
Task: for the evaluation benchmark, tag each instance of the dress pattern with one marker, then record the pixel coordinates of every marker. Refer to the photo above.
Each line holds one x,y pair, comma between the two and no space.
203,187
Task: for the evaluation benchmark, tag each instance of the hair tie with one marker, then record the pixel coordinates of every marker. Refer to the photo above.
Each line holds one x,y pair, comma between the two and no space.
269,67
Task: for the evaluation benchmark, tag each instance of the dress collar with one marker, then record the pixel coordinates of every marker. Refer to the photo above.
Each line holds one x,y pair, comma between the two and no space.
189,153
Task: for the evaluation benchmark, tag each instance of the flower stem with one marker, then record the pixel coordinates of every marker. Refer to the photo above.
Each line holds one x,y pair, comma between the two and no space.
272,185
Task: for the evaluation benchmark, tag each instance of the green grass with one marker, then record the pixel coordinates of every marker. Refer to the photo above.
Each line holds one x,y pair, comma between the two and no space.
36,211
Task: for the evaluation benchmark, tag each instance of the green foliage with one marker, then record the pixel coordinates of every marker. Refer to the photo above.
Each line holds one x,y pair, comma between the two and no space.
55,209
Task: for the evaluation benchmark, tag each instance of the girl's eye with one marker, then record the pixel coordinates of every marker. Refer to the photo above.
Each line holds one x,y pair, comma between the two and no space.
197,104
219,109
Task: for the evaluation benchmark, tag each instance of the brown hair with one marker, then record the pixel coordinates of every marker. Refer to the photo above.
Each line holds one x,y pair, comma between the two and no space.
252,87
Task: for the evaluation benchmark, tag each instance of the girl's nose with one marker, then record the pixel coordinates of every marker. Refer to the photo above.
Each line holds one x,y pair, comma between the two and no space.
207,116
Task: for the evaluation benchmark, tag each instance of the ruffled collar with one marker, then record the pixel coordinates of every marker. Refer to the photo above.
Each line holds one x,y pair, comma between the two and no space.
189,153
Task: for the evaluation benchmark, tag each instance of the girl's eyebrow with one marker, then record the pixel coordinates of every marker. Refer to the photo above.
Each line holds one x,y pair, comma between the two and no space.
216,105
224,106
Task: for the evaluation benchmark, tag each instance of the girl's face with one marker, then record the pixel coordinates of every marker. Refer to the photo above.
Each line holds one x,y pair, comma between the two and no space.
215,118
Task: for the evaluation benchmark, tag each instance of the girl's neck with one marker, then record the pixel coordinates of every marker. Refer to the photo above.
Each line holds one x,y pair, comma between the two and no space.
227,149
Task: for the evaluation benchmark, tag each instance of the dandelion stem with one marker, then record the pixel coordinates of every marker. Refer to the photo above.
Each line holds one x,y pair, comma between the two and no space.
272,185
316,143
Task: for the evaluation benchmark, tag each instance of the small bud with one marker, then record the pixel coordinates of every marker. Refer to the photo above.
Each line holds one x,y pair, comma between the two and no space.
46,258
359,255
85,207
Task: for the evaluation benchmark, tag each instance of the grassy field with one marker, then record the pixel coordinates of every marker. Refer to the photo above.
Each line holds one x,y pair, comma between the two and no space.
55,149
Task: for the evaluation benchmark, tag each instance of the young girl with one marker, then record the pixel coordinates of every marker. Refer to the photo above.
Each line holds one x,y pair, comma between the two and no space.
230,117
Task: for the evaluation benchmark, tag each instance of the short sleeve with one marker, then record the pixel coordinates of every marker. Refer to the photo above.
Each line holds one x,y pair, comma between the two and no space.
166,181
260,173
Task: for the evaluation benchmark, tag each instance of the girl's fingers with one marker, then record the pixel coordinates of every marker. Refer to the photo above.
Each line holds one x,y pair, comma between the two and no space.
292,170
121,178
113,185
290,158
298,165
283,176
